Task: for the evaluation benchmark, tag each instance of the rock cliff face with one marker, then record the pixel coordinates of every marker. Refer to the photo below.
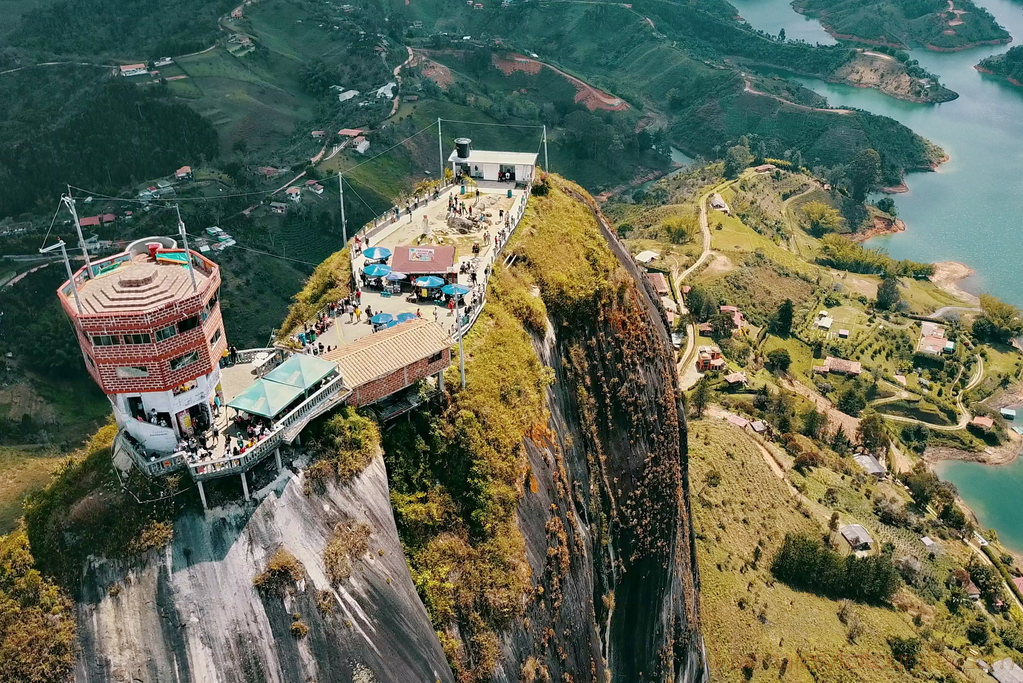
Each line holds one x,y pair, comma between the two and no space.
604,513
191,612
606,517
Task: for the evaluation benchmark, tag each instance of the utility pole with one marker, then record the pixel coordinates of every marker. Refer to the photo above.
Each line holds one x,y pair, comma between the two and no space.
440,150
67,266
184,241
70,202
546,162
341,198
461,349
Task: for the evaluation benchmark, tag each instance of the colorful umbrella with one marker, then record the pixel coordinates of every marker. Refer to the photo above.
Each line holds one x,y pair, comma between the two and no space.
405,317
394,276
377,254
381,318
455,290
429,281
376,270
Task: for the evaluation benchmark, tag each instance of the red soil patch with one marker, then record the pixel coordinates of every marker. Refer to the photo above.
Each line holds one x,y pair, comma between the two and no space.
438,73
590,97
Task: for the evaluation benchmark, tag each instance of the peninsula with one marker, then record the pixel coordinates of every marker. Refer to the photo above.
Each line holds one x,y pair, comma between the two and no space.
939,25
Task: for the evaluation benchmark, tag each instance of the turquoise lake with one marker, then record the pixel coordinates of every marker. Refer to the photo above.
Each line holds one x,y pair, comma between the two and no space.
970,210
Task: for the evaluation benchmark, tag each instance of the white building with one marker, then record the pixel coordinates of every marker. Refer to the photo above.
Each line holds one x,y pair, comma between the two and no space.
361,144
491,165
134,70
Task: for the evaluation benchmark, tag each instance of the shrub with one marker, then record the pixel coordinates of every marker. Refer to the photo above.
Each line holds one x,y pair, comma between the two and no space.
283,568
299,629
350,441
347,543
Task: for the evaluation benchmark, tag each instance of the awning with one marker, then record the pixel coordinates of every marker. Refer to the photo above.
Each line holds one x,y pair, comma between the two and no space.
266,399
302,371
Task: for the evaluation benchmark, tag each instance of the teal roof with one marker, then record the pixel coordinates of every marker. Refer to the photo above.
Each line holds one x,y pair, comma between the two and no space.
301,371
266,399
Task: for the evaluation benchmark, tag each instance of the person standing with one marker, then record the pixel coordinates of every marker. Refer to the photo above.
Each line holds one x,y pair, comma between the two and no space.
358,314
351,312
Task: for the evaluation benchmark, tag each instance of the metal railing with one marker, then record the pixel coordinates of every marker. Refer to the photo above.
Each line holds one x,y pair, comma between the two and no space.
305,411
164,464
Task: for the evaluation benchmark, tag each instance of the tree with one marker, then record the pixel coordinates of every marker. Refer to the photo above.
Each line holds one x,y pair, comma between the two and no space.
723,325
906,651
872,432
701,304
737,159
681,229
864,173
888,296
701,396
978,632
37,622
820,219
840,442
779,359
781,35
782,322
1004,317
851,402
815,423
887,204
953,516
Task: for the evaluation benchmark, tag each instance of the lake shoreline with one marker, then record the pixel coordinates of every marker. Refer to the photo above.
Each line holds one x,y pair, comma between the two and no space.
948,275
989,72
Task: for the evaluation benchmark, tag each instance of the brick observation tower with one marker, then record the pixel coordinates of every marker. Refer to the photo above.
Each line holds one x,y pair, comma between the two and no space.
149,325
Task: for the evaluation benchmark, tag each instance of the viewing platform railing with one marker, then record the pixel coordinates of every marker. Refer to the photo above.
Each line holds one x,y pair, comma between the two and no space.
285,430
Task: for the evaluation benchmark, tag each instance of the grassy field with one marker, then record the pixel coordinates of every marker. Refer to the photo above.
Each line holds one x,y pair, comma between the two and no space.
761,630
22,471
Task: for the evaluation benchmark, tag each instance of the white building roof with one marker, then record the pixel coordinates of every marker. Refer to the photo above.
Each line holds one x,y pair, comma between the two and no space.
647,256
870,464
483,156
856,535
1007,671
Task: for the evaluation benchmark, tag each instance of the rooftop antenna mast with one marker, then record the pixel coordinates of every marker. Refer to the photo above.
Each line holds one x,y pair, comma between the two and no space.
70,203
184,241
67,266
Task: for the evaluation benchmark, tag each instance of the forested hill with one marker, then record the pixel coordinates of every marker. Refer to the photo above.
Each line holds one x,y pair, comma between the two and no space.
126,29
675,59
904,23
120,134
1009,65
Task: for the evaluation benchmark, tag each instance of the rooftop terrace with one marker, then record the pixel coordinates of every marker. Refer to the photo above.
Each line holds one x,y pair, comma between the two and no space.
135,282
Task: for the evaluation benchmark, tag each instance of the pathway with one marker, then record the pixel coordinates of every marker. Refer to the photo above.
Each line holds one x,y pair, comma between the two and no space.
397,79
749,88
964,415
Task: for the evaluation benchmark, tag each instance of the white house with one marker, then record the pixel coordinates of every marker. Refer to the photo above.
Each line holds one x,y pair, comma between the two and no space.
134,70
491,165
361,145
387,90
347,95
294,194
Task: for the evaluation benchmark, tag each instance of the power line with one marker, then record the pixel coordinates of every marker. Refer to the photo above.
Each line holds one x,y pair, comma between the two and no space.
265,253
490,123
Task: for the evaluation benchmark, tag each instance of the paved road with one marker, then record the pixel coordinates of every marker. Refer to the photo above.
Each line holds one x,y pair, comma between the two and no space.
948,309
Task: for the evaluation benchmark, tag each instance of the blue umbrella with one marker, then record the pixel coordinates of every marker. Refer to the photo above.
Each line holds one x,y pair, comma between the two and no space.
381,318
377,254
455,290
405,317
376,270
391,324
394,276
429,281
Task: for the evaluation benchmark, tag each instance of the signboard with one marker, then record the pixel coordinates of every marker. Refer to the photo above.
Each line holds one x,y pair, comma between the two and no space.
420,255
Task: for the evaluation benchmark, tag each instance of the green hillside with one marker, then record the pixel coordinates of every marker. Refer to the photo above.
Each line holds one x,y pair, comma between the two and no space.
903,23
1008,65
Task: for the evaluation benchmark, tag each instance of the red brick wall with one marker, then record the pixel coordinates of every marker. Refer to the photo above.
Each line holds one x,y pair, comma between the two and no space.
155,356
398,380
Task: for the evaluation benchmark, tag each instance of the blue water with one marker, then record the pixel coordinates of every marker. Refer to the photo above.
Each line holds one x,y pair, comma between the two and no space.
992,492
970,210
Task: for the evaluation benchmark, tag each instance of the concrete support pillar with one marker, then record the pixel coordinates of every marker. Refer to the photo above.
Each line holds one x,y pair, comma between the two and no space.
298,439
202,495
277,457
440,380
245,486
